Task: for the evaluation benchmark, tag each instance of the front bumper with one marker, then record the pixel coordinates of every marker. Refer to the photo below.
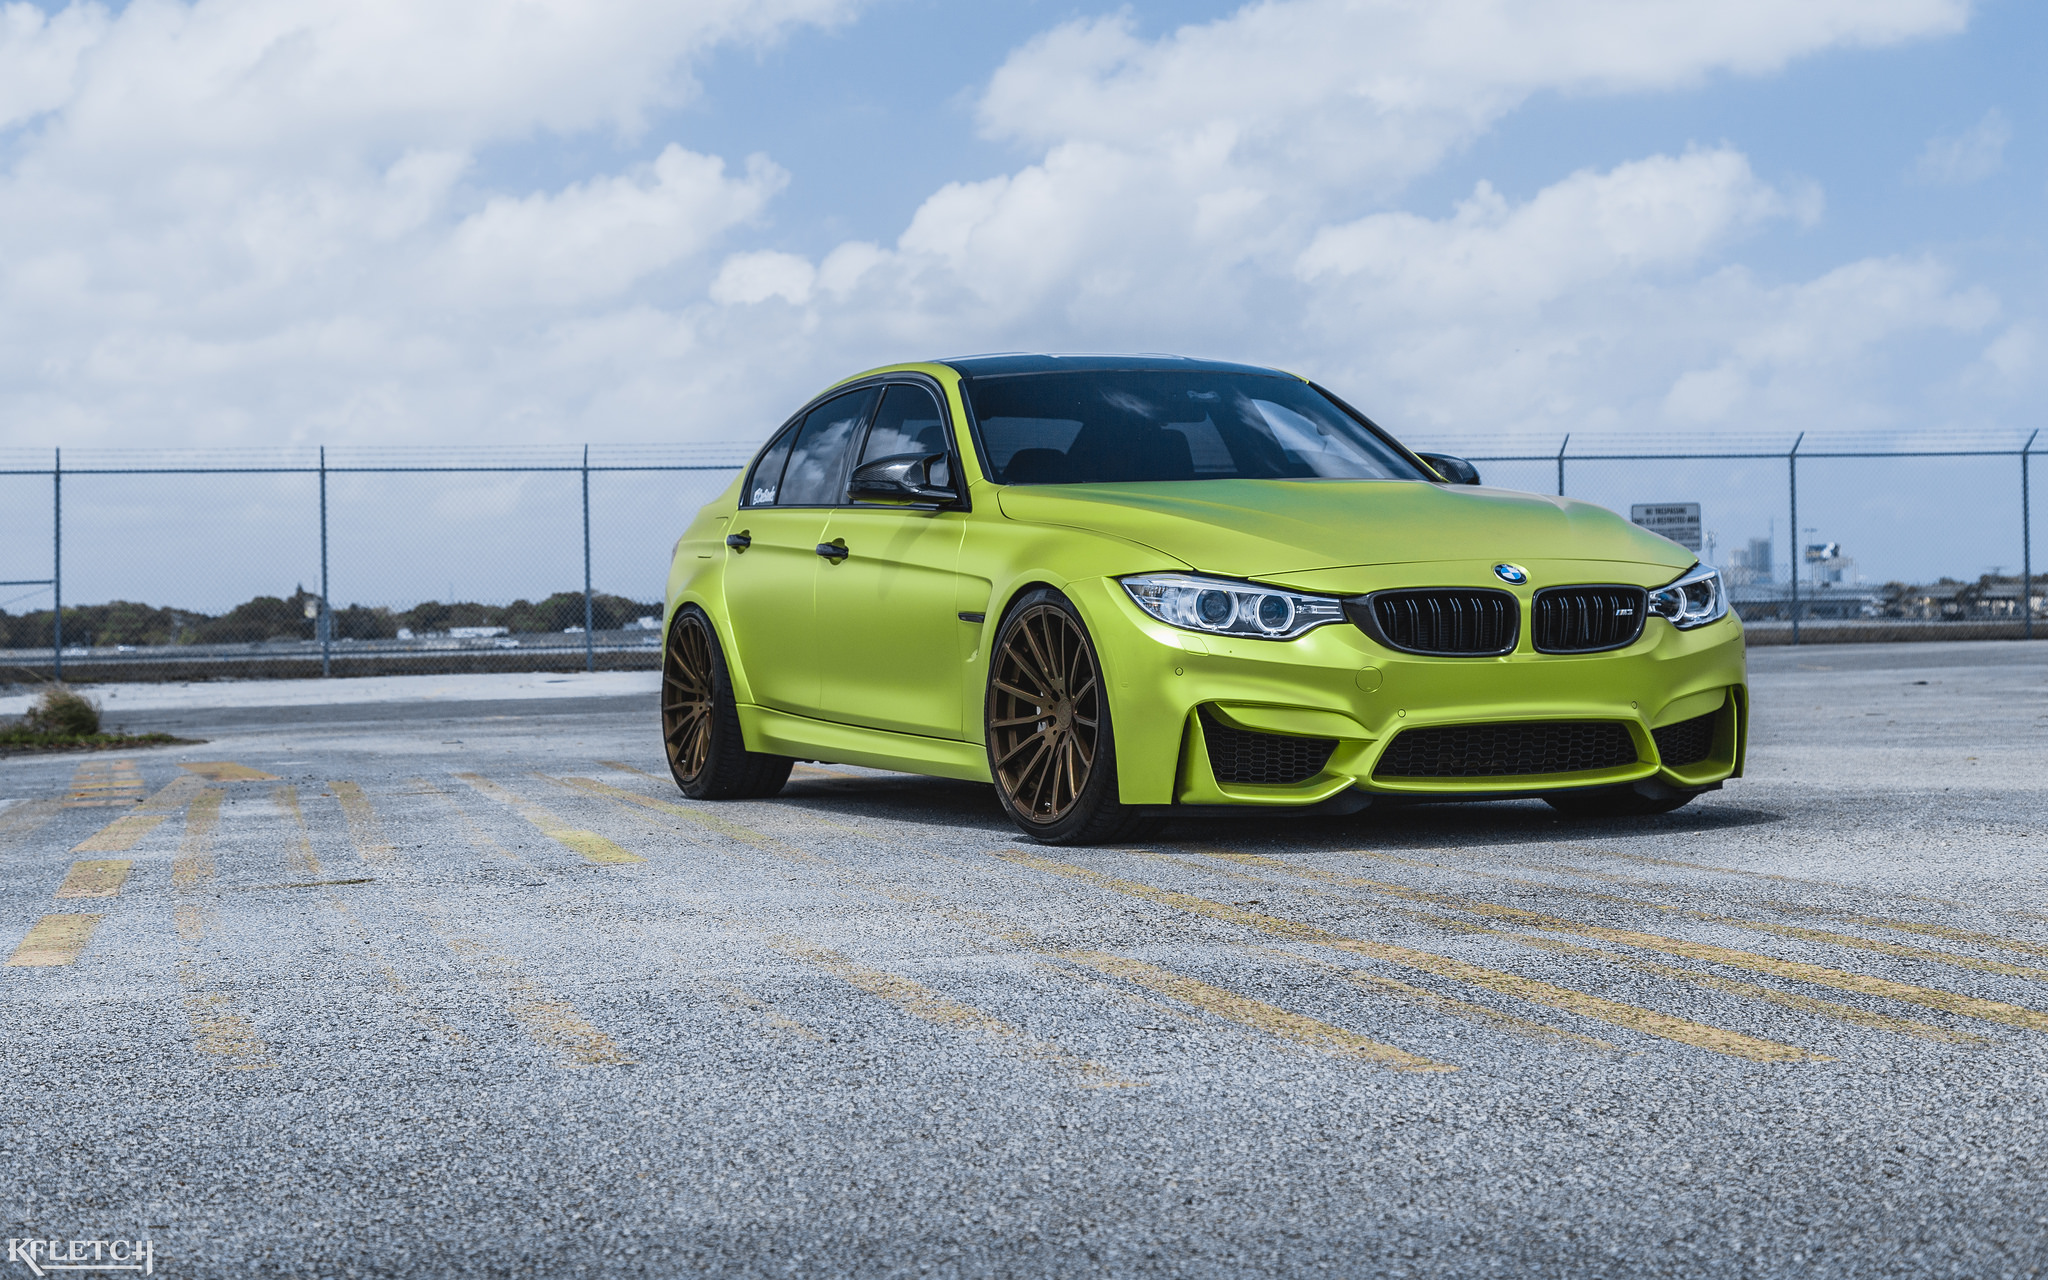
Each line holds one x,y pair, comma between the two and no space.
1336,684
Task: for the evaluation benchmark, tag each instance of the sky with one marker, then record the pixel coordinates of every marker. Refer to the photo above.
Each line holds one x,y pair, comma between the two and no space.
366,223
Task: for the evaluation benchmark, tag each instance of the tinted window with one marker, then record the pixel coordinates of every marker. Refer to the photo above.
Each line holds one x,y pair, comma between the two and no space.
816,475
767,477
1109,426
909,421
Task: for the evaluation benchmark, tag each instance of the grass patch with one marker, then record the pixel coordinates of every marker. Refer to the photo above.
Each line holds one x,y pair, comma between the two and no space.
63,719
15,739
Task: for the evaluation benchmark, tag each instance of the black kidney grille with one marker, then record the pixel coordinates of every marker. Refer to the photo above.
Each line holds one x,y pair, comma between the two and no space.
1440,621
1504,750
1266,759
1688,741
1587,619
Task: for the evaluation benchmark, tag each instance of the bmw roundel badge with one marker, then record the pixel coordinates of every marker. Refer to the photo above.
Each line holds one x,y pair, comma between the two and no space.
1512,574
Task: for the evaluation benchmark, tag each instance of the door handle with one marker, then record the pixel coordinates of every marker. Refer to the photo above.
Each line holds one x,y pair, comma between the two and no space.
833,551
739,541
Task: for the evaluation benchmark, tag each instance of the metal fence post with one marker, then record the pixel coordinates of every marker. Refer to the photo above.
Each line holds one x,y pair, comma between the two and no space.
1560,462
2026,542
1792,474
57,570
324,622
589,643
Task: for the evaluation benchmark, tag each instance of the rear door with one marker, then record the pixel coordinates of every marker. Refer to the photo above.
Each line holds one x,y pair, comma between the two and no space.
771,578
887,613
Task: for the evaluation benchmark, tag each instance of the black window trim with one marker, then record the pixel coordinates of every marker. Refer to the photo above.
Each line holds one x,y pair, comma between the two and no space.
982,455
880,382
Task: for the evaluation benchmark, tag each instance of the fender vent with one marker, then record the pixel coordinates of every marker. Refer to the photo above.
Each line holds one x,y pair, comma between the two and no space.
1451,622
1508,750
1688,741
1263,759
1587,619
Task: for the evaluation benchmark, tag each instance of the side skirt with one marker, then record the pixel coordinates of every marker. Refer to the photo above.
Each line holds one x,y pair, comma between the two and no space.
784,734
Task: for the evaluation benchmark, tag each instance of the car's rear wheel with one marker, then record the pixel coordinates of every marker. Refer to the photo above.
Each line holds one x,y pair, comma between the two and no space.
1050,743
1617,802
700,722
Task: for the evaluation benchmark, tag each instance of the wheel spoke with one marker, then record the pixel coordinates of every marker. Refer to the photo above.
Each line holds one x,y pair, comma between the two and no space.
1046,665
1019,745
1033,699
1014,721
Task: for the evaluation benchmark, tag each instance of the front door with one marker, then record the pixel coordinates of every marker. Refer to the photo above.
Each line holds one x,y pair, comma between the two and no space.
887,611
771,574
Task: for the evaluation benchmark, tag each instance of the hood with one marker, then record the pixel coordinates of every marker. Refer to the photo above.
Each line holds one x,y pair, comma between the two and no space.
1271,528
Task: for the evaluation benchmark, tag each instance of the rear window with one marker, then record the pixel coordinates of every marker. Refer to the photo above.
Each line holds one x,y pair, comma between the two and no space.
1123,426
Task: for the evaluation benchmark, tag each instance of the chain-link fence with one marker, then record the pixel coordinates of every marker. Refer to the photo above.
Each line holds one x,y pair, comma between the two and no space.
136,564
180,565
1825,538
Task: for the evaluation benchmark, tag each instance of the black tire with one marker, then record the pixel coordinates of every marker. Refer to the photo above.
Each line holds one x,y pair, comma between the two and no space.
1616,802
700,722
1045,720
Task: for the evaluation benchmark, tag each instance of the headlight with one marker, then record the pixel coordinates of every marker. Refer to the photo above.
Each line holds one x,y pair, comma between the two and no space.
1693,601
1222,607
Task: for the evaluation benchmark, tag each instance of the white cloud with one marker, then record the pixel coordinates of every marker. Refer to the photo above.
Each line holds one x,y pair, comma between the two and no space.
1967,157
242,220
1384,87
1644,217
756,277
39,56
595,239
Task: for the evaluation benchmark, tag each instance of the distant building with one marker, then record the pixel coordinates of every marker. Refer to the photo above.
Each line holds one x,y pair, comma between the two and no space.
477,633
1989,598
1751,564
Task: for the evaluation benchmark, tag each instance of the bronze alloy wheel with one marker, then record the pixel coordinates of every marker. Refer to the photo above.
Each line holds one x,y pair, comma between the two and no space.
1044,713
686,702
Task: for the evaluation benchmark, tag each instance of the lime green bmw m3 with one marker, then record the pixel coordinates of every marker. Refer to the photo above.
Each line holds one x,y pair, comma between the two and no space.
1125,589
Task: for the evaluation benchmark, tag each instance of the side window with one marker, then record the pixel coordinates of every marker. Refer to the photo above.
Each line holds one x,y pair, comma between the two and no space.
816,475
767,478
909,421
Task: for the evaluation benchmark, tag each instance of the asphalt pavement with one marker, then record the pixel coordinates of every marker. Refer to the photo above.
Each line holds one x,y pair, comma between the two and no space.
461,986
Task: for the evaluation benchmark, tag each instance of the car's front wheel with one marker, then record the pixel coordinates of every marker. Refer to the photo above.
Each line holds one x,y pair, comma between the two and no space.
1050,743
700,721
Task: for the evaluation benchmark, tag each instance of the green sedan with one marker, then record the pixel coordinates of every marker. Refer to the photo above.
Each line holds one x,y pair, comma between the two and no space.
1123,589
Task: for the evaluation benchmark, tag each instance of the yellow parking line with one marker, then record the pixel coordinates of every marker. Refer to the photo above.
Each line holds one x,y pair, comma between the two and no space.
218,1030
1647,1021
95,878
364,831
1997,941
548,1019
593,847
709,821
1381,984
1753,991
1256,1014
921,1002
1819,975
551,1021
299,855
121,834
227,771
907,994
194,864
54,940
1829,937
1728,986
174,795
738,997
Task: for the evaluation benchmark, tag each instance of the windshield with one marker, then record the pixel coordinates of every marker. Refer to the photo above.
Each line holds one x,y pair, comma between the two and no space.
1118,426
